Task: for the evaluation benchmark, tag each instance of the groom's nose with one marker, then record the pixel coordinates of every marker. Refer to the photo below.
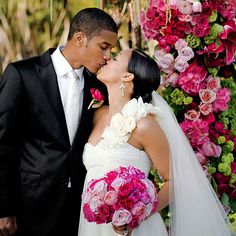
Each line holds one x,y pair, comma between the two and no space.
107,55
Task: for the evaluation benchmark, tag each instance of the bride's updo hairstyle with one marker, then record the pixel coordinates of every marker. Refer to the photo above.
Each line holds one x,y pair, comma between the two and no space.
146,75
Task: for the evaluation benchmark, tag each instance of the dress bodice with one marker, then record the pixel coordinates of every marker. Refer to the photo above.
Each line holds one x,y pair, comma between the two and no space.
114,150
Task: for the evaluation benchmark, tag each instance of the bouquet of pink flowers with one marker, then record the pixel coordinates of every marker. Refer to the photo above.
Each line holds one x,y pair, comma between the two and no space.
123,196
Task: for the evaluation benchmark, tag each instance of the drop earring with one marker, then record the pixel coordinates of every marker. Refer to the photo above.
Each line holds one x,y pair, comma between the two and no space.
122,89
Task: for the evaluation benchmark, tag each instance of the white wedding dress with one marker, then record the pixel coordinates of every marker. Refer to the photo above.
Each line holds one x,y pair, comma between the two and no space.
195,208
114,151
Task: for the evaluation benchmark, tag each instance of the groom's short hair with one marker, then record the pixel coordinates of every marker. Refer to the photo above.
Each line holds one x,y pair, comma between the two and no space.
91,21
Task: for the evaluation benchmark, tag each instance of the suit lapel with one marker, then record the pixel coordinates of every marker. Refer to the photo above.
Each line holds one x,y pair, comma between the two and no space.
49,83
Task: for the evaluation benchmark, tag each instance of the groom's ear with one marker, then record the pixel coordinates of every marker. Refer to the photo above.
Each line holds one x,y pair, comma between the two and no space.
127,77
79,38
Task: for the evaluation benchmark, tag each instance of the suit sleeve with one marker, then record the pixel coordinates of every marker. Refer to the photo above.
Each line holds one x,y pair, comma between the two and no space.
11,110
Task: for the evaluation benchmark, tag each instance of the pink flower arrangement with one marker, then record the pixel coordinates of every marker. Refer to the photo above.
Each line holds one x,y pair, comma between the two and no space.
196,46
97,100
122,196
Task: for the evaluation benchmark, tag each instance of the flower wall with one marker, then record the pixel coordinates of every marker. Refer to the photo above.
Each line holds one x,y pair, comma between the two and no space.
196,45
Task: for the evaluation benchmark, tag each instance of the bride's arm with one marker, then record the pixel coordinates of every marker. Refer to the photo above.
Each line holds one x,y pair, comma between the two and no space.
153,140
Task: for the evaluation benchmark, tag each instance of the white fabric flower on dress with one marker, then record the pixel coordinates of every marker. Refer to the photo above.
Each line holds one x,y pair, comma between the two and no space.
122,124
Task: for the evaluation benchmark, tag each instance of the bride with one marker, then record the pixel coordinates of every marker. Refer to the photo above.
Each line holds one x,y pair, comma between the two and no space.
138,128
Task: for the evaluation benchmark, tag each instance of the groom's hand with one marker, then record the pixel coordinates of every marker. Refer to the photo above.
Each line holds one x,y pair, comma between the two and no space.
8,226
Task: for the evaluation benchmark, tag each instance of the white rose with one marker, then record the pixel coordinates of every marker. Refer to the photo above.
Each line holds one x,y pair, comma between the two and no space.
197,7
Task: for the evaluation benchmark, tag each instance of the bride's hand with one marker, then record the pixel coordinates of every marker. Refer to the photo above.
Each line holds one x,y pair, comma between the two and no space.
122,230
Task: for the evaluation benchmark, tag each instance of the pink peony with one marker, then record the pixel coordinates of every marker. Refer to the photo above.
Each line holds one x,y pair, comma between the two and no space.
88,214
121,217
210,149
126,189
138,209
111,197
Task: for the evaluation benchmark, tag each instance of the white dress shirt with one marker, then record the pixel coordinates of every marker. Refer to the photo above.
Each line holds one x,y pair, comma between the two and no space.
62,68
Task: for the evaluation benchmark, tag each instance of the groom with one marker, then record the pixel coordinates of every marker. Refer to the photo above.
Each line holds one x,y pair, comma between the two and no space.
41,169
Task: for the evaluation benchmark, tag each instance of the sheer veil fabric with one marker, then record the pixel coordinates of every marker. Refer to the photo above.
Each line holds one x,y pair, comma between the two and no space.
195,208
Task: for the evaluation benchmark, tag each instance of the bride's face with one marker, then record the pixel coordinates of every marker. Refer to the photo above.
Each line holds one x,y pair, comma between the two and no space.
115,68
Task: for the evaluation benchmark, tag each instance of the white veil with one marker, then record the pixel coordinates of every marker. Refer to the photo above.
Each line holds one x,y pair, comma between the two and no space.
195,208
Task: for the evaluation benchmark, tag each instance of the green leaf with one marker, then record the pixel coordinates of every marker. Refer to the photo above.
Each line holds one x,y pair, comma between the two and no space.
232,203
214,184
224,199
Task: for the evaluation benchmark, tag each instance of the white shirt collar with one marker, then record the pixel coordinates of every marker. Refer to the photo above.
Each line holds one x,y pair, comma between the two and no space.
62,66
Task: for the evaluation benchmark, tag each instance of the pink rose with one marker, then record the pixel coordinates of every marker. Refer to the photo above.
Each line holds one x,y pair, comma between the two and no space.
139,185
181,43
185,7
171,79
213,83
201,158
121,217
135,195
88,214
129,204
100,218
145,198
205,108
117,183
186,53
95,203
201,31
207,95
96,94
164,61
100,189
180,64
111,197
192,115
125,189
209,118
171,39
136,172
104,210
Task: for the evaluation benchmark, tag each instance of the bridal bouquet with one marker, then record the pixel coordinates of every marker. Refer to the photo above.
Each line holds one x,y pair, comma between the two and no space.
122,196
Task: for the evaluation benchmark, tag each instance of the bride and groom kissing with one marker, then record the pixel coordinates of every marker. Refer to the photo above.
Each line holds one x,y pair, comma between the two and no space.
48,136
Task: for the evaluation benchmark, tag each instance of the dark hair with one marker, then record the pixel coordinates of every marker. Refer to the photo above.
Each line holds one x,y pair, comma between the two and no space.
91,21
146,74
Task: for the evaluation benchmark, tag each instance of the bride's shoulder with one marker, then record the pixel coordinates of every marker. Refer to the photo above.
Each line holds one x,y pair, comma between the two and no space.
147,126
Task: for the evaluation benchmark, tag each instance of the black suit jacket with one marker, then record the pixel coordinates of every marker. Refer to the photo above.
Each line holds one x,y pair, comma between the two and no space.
36,159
